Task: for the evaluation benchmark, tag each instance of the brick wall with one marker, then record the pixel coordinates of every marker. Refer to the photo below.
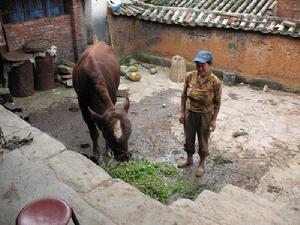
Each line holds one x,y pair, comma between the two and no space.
65,32
79,33
288,8
56,29
251,54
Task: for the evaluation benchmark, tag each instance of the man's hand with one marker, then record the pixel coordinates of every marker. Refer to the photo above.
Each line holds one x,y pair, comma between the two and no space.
213,124
181,118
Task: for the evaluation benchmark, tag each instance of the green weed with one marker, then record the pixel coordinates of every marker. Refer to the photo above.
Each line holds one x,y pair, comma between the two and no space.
219,160
157,180
275,189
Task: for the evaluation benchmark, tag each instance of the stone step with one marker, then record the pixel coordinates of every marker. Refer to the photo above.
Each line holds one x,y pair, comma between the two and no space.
241,212
241,195
23,180
123,90
229,211
225,210
257,203
193,212
119,201
124,204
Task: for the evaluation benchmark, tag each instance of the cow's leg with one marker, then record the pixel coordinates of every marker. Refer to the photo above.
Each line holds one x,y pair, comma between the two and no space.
108,150
105,156
94,133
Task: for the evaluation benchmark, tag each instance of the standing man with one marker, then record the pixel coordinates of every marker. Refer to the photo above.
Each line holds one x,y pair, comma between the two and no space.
200,105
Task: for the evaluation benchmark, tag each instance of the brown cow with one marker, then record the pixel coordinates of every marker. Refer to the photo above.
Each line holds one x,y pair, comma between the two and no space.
96,77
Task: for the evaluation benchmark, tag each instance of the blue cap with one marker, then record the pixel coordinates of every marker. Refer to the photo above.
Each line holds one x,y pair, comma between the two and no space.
203,57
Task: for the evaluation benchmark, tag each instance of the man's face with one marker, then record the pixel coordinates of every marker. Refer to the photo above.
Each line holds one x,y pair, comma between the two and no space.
202,68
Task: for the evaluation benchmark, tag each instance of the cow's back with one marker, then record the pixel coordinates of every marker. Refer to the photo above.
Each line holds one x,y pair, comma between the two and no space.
97,64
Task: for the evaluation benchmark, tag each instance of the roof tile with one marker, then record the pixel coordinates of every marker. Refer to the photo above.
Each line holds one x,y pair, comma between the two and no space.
235,14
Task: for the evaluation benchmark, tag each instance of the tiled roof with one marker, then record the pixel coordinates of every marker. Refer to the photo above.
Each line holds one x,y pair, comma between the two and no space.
235,14
256,7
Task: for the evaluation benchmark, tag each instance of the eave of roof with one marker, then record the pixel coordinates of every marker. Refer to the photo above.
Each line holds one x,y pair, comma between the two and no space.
256,7
208,18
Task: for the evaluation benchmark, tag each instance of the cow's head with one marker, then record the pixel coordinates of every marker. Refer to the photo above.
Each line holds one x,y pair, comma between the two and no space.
116,129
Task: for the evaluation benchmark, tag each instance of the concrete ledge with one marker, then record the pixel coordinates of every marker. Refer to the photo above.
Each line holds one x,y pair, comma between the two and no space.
189,209
10,122
125,204
77,171
23,181
42,147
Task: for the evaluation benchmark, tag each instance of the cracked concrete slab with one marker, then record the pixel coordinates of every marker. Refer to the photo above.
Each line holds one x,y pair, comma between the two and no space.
77,171
124,204
24,180
42,147
10,122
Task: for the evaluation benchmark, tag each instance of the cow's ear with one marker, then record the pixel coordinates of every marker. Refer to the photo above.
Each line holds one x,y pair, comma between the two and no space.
126,104
95,116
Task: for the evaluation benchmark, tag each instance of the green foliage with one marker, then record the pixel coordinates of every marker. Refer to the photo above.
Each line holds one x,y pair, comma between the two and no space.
193,191
218,73
241,79
159,181
190,67
125,59
151,59
261,82
219,160
275,189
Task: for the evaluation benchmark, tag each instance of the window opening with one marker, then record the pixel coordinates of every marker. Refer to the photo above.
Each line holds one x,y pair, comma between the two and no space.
18,11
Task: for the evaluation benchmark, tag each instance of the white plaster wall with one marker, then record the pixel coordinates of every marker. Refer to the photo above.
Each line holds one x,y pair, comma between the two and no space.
99,9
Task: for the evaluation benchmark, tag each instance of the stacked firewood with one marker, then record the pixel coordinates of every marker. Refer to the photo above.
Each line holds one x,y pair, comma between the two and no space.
65,73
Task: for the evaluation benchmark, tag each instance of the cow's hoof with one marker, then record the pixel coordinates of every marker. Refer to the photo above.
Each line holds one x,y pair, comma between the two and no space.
94,159
85,155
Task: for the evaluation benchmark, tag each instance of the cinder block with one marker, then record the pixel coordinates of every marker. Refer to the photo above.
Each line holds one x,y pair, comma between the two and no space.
123,91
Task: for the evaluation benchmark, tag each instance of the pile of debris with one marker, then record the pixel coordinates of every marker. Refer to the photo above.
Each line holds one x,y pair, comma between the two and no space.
6,100
14,142
65,70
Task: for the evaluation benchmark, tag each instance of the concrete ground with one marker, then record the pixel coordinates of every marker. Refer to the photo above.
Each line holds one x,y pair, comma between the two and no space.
269,120
265,159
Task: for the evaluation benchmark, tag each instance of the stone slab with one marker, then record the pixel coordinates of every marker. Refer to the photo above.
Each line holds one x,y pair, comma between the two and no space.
125,204
23,181
123,90
256,203
190,210
42,147
10,122
25,132
231,212
20,134
77,171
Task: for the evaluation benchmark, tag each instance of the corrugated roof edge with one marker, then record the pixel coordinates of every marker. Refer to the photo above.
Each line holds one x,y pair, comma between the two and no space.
195,17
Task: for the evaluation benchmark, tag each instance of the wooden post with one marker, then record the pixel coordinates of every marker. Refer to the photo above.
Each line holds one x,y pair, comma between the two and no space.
178,69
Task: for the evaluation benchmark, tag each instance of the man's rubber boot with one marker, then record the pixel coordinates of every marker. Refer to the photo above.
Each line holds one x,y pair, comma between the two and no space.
200,171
